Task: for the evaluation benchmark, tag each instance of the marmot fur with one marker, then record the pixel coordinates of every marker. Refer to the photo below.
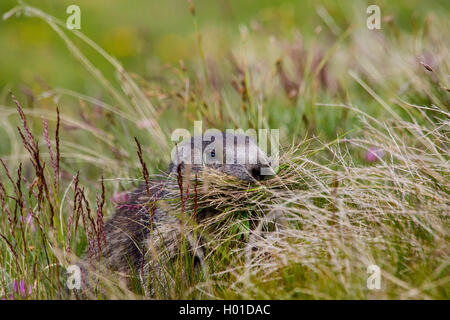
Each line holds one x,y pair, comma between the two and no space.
138,230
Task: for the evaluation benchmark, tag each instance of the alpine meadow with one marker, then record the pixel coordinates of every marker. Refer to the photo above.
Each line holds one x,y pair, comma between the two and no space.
358,204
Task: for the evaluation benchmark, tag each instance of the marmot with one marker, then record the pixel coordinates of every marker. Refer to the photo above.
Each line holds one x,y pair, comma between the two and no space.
140,228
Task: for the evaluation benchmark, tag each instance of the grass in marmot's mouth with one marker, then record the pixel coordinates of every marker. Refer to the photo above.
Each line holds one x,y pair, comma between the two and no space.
377,195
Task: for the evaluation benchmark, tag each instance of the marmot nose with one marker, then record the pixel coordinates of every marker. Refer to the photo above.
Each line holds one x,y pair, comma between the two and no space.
255,172
259,172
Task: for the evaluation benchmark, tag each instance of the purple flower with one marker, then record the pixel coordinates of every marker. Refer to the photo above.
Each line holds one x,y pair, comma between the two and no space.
16,290
374,154
30,222
22,288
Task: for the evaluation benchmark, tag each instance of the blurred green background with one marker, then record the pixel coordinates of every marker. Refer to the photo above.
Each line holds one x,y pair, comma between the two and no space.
144,35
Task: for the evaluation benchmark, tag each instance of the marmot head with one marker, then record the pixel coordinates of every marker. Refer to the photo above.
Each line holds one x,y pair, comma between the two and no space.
234,154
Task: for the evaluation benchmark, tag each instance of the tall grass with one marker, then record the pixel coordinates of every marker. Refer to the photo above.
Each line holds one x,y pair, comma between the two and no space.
363,177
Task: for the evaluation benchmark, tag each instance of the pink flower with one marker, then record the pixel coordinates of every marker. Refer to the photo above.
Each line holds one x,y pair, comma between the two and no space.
374,154
120,198
145,123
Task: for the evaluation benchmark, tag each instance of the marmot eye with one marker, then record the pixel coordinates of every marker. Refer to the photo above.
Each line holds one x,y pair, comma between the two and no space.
213,153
